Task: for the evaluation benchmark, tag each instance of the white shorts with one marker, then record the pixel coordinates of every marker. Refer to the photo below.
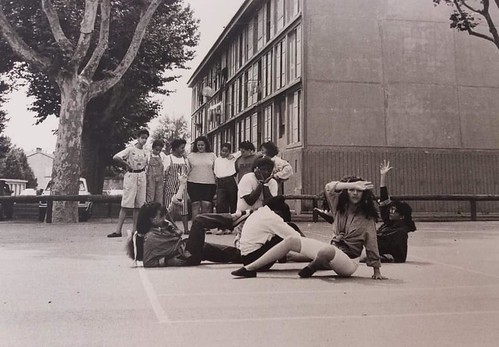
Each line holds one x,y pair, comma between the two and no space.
341,264
134,190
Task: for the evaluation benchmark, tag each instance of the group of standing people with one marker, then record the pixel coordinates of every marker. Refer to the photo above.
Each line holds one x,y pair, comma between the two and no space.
179,180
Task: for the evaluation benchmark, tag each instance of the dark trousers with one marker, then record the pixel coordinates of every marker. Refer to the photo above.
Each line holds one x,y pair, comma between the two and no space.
226,195
249,258
201,250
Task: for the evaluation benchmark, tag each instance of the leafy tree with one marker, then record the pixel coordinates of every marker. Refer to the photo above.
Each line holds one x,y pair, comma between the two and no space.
4,140
60,48
16,166
170,129
469,14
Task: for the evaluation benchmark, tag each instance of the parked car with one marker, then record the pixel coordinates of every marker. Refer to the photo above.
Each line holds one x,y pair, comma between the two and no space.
84,207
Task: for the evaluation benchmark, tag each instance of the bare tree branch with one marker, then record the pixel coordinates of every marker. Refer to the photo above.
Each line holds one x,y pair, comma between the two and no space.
470,30
55,26
86,29
20,47
497,3
105,19
104,85
490,22
465,4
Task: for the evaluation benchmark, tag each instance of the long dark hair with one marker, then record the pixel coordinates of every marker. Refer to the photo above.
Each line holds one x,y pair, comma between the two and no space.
366,205
405,210
144,224
207,144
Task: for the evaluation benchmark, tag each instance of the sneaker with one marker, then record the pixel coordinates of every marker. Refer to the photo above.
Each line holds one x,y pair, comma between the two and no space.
242,272
306,272
244,215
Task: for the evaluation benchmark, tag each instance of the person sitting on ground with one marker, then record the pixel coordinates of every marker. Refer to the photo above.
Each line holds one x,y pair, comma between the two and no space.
158,241
397,223
134,159
354,227
282,169
265,228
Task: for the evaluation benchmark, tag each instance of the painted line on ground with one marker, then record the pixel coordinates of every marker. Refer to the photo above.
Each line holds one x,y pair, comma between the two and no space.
377,316
308,292
455,267
153,297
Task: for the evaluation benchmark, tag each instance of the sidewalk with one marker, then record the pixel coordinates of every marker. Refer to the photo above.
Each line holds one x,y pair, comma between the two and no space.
68,285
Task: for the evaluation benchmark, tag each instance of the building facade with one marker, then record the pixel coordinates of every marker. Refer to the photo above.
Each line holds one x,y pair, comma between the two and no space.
41,163
341,85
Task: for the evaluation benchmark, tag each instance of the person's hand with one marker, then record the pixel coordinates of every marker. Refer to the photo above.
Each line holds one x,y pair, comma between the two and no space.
377,275
362,185
182,179
384,167
268,179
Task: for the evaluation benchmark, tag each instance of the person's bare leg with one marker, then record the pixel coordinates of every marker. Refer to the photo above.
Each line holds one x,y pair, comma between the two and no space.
135,218
206,207
119,226
185,222
321,261
297,257
196,205
277,252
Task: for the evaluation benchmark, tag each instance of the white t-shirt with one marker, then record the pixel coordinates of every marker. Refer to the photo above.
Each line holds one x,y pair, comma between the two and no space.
260,227
248,184
224,167
135,157
171,159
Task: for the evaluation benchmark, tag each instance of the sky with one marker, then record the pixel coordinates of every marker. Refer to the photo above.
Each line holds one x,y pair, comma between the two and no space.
213,16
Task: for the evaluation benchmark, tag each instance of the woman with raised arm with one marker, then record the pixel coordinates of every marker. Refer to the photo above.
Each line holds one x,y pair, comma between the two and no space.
397,223
355,214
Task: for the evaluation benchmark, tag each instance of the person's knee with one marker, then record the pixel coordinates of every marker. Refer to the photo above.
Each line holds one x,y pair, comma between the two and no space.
293,243
326,254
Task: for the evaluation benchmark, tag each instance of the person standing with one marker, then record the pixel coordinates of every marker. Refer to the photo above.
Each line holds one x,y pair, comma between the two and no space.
134,159
155,173
282,169
244,164
201,180
225,171
177,168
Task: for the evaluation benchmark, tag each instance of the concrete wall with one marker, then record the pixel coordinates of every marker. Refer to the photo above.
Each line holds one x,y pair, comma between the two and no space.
391,73
41,165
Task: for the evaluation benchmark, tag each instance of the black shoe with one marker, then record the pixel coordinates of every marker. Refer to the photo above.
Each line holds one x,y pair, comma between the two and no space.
326,216
114,235
242,272
306,272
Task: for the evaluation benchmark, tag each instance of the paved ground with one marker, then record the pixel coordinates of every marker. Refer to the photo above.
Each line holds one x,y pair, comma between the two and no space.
68,285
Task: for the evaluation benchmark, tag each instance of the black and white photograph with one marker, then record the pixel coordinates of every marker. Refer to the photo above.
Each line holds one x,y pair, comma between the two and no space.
249,173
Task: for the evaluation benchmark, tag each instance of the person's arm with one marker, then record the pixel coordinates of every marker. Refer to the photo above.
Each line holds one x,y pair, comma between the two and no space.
252,197
372,253
285,169
383,192
121,157
270,188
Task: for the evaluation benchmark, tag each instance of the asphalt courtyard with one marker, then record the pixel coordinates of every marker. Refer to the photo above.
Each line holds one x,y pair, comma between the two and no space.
68,285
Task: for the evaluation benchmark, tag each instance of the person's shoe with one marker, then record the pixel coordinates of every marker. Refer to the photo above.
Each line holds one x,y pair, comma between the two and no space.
220,232
325,215
115,234
241,218
306,272
176,201
242,272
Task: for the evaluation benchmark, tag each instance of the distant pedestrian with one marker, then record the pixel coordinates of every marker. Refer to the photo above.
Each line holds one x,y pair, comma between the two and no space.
155,173
176,168
134,159
244,164
201,181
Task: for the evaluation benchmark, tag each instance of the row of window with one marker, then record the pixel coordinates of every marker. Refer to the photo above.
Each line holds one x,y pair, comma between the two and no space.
279,121
267,22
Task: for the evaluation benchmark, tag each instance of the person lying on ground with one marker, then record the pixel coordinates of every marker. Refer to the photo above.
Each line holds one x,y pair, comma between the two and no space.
354,227
158,241
392,235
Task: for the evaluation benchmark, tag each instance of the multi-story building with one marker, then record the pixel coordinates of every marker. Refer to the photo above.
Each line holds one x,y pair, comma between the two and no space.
41,163
340,85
